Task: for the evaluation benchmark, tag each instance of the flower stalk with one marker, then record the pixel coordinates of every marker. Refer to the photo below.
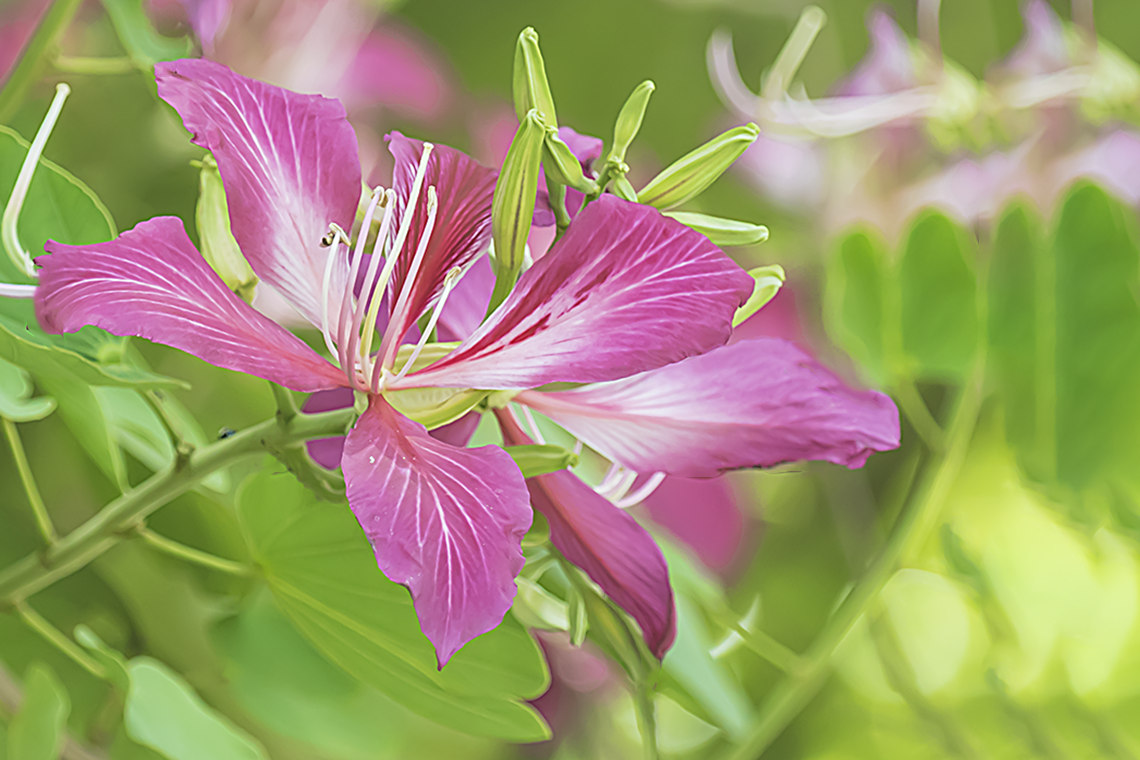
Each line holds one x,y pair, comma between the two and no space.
43,519
192,555
36,572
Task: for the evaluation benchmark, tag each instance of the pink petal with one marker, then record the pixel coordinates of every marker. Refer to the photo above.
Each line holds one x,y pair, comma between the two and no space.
152,283
290,166
458,432
625,290
703,514
888,66
605,541
756,403
467,304
462,224
394,70
327,451
444,521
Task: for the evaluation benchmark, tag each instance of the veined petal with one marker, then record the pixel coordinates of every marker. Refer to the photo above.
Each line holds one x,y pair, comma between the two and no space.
464,189
756,403
625,290
290,166
446,522
152,283
608,543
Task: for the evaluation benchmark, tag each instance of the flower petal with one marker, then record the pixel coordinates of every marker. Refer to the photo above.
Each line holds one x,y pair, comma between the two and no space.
756,403
608,543
152,283
888,66
467,304
625,290
462,223
444,521
397,70
290,165
705,515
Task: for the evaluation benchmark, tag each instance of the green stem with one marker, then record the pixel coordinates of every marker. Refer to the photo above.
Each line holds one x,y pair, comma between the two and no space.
919,415
56,638
646,720
43,519
190,554
44,41
38,571
84,65
792,695
771,650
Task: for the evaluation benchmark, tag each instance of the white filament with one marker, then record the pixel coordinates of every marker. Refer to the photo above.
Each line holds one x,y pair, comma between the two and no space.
448,286
348,303
8,232
9,290
339,236
642,493
530,421
367,289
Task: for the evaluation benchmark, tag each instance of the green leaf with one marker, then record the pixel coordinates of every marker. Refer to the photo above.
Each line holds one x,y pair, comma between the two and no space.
58,206
16,402
83,413
1016,262
36,731
1097,349
323,574
854,298
113,662
164,713
142,42
936,281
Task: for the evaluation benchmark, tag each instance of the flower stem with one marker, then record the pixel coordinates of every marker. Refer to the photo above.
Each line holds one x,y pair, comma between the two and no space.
43,519
38,571
56,638
792,695
43,42
646,719
768,648
192,555
98,65
919,415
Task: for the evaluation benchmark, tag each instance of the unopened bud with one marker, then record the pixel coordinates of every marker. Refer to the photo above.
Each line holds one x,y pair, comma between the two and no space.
513,206
722,231
629,120
691,174
768,280
531,90
219,248
563,166
623,189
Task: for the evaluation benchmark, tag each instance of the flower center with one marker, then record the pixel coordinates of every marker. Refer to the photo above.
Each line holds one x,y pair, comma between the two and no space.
349,332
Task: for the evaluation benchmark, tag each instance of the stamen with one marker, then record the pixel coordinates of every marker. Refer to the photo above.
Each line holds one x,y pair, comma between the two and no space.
330,261
9,290
348,304
390,264
367,291
622,487
642,493
533,425
577,447
389,345
613,476
792,54
448,286
8,232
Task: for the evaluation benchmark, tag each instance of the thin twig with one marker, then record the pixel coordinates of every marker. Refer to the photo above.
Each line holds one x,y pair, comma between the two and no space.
43,519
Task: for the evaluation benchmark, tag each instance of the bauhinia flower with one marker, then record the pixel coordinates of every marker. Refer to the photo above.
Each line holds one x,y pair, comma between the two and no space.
624,291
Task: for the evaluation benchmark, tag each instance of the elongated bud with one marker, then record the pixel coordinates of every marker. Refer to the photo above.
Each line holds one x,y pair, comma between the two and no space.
578,619
512,209
563,166
722,231
623,189
531,90
768,279
219,248
629,120
536,459
690,175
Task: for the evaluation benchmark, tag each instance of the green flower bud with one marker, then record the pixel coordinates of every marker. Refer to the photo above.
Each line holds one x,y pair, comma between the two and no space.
512,209
535,607
768,279
529,85
563,166
722,231
579,619
623,189
219,248
629,120
691,174
536,459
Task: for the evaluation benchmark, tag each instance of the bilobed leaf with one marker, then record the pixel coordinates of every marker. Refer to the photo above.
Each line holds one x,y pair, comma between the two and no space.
1097,338
16,402
164,713
323,575
938,306
142,41
36,731
855,297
